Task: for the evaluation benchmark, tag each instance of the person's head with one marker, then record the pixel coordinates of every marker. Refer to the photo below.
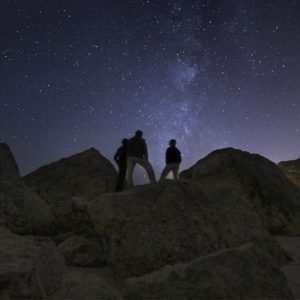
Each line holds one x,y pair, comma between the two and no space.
172,143
124,142
139,133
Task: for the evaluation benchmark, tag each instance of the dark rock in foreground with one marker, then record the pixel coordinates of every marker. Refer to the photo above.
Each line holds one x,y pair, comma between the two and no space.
241,273
292,170
151,226
30,267
83,252
87,174
21,210
88,286
273,196
71,215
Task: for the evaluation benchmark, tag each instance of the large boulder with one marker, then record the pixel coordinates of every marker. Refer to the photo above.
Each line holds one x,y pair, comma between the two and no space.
86,286
291,169
87,174
30,267
83,252
239,273
151,226
274,197
21,210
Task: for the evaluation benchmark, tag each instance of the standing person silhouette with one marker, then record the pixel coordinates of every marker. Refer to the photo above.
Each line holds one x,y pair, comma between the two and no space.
173,160
137,153
121,160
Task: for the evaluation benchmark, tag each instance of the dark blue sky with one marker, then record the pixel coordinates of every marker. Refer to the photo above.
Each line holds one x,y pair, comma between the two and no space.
212,74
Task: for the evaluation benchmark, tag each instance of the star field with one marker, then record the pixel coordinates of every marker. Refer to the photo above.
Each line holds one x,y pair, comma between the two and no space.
211,74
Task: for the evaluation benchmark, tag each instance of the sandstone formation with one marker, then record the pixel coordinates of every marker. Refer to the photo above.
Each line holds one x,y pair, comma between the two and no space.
21,210
272,195
151,226
30,267
292,170
87,174
85,286
239,273
83,252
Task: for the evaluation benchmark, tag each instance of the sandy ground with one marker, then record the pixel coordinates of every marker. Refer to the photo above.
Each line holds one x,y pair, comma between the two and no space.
292,271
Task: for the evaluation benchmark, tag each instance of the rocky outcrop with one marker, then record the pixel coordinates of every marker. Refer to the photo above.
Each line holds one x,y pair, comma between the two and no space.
9,170
83,252
82,285
292,170
273,196
239,273
87,174
151,226
30,267
21,210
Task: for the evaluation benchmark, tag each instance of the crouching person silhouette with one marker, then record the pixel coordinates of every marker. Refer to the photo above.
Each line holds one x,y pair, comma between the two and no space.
137,153
121,160
173,160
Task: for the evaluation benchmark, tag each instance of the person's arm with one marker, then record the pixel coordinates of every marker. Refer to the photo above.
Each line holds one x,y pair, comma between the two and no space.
180,158
117,156
167,155
145,150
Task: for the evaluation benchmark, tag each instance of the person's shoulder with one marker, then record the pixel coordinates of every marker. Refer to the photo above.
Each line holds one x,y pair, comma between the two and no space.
176,150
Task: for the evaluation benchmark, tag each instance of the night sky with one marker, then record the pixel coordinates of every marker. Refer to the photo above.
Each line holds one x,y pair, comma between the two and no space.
77,74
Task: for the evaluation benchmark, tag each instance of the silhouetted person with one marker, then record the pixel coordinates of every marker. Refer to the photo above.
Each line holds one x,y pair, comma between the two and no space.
173,160
137,153
121,160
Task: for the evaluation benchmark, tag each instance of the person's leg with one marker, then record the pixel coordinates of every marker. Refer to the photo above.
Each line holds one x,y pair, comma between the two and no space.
119,181
175,169
122,176
148,167
165,172
130,168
